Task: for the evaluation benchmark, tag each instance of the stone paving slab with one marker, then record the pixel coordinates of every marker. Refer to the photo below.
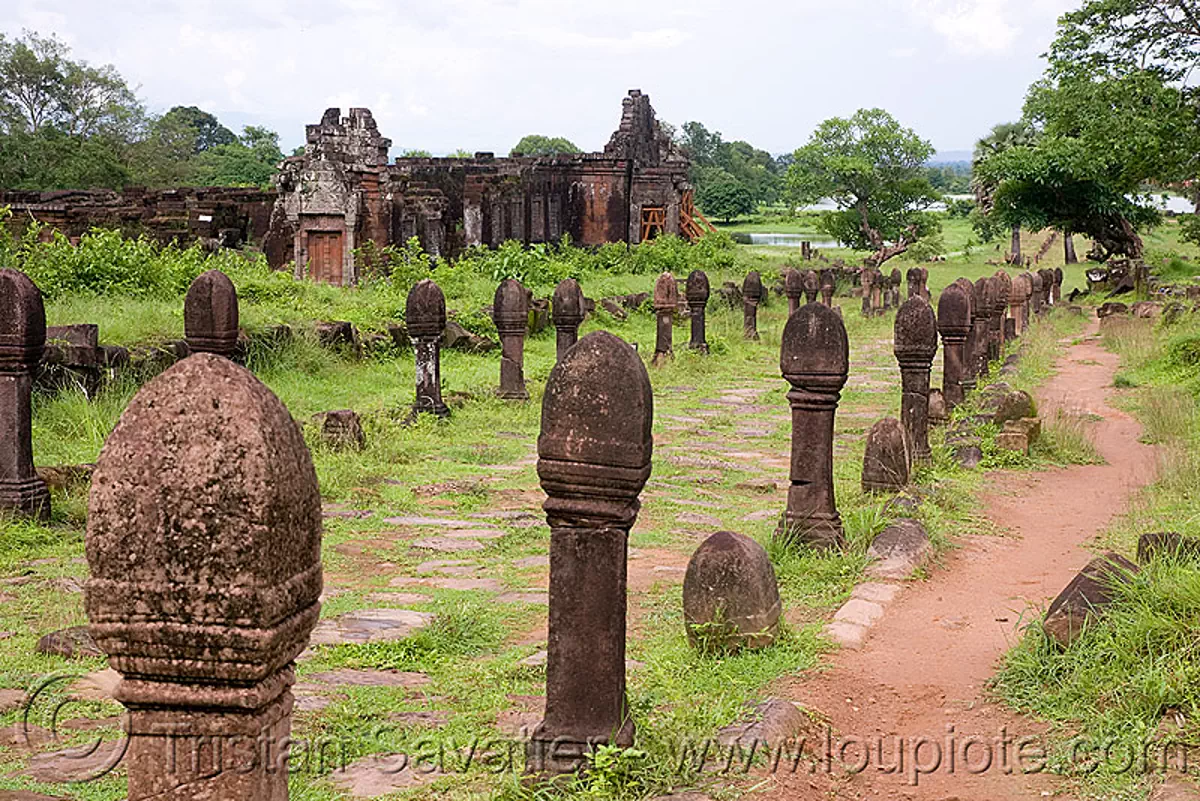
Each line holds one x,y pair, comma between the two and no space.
369,625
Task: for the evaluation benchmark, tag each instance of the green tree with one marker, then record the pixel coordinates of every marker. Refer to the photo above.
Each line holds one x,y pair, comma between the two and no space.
415,153
873,169
252,160
722,195
538,145
1002,138
209,132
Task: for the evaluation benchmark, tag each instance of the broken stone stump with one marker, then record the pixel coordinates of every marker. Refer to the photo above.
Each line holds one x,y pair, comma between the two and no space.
1013,440
510,313
888,459
1167,543
1087,597
210,315
205,579
22,340
339,335
752,291
342,430
73,357
697,301
916,340
898,550
425,317
1015,405
939,413
730,595
594,457
815,360
568,312
793,287
666,299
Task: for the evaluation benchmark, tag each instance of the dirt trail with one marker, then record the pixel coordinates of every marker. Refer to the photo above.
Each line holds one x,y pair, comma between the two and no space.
924,666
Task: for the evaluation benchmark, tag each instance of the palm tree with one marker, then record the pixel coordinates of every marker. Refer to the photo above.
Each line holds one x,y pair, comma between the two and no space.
1004,136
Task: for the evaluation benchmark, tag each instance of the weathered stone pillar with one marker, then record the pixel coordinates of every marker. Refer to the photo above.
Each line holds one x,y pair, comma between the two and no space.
867,280
887,459
666,299
510,313
954,324
815,360
894,282
1017,303
568,312
812,286
1036,303
969,364
22,341
981,310
877,281
697,301
915,346
828,286
1056,292
1003,284
425,318
593,460
205,575
752,290
914,282
793,287
1047,288
210,315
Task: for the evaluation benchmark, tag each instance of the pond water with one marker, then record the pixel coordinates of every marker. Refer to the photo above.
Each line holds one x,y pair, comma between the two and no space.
789,241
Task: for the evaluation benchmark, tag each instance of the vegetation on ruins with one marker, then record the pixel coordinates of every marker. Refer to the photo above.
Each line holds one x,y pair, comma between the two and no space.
538,145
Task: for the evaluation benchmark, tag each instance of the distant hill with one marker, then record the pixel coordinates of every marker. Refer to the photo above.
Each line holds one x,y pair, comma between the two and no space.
951,157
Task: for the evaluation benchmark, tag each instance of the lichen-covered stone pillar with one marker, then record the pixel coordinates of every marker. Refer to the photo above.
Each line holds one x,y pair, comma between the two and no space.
877,281
1047,288
593,460
510,313
205,575
981,317
697,301
1017,303
210,315
666,300
969,366
425,318
815,360
812,286
1056,292
1003,286
22,341
1035,305
954,325
915,346
752,291
914,282
793,287
895,280
867,279
568,311
828,287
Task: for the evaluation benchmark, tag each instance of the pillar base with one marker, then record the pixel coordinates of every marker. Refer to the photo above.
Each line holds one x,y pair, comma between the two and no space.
29,498
521,394
661,358
822,531
554,753
438,410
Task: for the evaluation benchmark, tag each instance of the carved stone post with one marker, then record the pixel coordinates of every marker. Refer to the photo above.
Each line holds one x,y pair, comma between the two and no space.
876,292
954,324
1017,303
981,310
828,286
593,460
697,301
210,315
1003,284
894,282
925,284
867,279
666,299
915,346
22,340
812,286
1038,293
510,313
425,318
970,348
1056,292
205,579
567,311
1047,288
914,282
793,287
815,360
752,290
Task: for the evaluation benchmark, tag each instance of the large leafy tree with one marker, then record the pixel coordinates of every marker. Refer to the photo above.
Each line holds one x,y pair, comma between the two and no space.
252,160
722,195
873,168
1003,137
538,145
714,159
208,130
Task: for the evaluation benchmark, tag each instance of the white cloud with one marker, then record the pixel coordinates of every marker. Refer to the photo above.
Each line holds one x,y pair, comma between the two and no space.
987,27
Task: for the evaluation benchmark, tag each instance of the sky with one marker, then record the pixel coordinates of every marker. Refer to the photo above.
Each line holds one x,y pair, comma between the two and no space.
440,75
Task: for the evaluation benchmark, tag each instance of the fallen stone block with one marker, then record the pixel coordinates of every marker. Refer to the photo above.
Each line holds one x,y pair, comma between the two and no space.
1085,599
1167,543
899,550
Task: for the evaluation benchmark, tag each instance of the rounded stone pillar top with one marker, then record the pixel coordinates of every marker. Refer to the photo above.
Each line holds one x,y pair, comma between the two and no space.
1004,287
867,276
567,304
828,279
793,283
815,351
916,334
697,288
954,311
1036,280
666,293
210,314
914,275
22,322
811,282
981,299
597,415
730,594
203,534
425,310
510,308
752,288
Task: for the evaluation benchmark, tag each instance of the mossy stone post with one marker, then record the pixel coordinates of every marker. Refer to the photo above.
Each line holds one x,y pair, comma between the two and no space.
954,325
425,318
1056,292
205,575
1017,302
982,311
752,292
22,341
210,315
594,457
666,300
793,288
815,360
828,287
970,347
697,301
1004,288
1035,306
812,286
867,280
887,459
895,280
877,282
1048,288
567,310
916,340
510,313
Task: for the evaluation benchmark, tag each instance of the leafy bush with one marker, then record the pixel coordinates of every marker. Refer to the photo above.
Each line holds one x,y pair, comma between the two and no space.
1189,227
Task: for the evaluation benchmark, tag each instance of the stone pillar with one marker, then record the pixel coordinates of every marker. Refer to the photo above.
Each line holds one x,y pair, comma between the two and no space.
697,301
510,313
914,282
210,315
887,459
425,318
969,347
1047,288
867,280
593,460
1003,284
567,310
812,286
22,341
1017,303
815,360
752,290
793,287
205,575
1056,292
915,346
894,282
828,286
925,284
954,324
666,299
981,319
876,292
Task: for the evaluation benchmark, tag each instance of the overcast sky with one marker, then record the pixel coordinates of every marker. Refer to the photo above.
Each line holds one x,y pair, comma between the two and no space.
479,74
